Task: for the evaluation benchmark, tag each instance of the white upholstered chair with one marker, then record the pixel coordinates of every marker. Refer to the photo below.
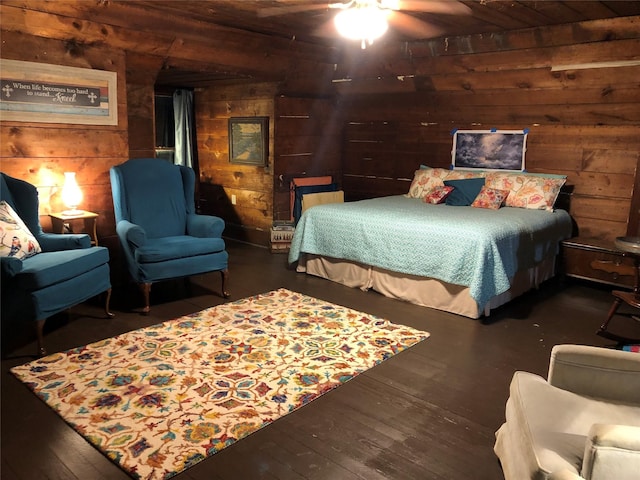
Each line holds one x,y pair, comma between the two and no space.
582,422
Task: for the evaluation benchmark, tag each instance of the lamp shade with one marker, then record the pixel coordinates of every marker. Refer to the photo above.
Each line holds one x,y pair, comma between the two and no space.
362,23
71,194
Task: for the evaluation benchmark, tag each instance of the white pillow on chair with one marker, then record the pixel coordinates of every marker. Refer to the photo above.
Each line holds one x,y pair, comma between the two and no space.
15,238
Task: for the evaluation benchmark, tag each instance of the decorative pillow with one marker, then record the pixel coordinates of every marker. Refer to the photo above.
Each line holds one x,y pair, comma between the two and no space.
535,191
465,191
424,180
462,174
491,198
15,238
438,194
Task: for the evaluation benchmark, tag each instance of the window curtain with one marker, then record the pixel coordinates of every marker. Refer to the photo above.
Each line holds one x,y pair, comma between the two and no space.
183,115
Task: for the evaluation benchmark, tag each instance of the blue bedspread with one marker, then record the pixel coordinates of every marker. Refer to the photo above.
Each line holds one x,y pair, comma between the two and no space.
474,247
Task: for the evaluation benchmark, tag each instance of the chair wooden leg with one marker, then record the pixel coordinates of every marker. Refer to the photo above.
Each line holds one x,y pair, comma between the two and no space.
146,289
106,305
603,332
42,351
612,311
225,278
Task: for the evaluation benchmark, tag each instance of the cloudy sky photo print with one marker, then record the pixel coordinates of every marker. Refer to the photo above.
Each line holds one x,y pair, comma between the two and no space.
502,151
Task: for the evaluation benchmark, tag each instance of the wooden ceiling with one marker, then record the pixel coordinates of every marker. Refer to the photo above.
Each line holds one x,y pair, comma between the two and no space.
246,44
486,16
310,26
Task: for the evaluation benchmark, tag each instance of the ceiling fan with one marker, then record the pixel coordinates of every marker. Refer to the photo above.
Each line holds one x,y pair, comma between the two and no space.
367,20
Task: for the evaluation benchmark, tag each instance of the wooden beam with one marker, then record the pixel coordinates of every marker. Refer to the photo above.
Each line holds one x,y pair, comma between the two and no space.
590,65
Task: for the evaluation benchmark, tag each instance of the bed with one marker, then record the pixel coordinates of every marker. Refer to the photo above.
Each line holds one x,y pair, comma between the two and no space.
460,259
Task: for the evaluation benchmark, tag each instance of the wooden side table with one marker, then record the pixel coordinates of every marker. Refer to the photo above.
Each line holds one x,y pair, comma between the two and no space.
58,221
598,261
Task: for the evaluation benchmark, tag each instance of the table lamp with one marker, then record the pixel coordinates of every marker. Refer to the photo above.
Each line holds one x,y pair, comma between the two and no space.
71,195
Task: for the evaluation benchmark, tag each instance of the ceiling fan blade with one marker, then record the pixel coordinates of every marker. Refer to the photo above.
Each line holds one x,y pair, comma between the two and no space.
448,7
285,9
412,26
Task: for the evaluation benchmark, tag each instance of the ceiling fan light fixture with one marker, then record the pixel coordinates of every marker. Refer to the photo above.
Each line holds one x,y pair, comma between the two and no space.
364,23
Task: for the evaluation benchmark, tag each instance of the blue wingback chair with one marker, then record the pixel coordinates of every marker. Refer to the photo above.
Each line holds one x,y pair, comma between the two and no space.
161,234
67,272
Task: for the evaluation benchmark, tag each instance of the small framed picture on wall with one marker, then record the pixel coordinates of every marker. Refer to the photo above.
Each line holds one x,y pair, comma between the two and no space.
249,140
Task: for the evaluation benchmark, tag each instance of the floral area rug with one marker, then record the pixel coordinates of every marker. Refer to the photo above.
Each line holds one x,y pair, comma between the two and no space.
161,399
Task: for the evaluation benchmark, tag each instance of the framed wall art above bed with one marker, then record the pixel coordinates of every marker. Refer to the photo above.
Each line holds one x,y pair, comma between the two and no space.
489,149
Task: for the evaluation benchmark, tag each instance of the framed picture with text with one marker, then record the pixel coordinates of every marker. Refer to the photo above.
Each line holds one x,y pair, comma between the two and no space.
40,92
249,140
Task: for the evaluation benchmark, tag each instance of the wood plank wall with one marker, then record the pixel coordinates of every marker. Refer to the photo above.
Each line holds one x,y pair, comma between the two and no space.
308,143
141,76
395,110
40,153
251,217
400,110
304,140
138,43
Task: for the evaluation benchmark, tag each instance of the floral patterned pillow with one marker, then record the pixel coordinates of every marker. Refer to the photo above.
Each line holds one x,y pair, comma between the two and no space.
491,198
15,238
438,194
426,178
464,174
538,192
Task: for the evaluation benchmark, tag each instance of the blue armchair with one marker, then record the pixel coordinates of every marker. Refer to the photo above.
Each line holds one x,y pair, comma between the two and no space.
67,271
161,234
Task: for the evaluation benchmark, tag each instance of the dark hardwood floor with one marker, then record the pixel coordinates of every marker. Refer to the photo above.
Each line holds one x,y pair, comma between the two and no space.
427,413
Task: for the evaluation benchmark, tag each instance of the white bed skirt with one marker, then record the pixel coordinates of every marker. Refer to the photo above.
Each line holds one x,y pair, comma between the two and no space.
424,291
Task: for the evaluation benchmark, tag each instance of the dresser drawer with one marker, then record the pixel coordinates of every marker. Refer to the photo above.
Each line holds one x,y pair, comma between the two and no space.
597,263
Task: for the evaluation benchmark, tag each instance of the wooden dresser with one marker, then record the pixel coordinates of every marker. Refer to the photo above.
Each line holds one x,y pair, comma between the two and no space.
597,260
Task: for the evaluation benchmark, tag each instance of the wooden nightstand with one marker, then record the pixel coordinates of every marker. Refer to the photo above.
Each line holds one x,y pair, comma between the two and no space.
598,261
90,219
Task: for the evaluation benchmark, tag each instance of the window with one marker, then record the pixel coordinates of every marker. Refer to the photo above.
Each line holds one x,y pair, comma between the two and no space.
165,127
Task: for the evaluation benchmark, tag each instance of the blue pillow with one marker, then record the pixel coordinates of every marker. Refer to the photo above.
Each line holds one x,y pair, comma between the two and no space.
464,192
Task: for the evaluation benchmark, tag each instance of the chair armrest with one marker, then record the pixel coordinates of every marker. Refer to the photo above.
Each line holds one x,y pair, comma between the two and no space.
565,474
10,267
596,372
131,234
205,226
55,242
612,451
